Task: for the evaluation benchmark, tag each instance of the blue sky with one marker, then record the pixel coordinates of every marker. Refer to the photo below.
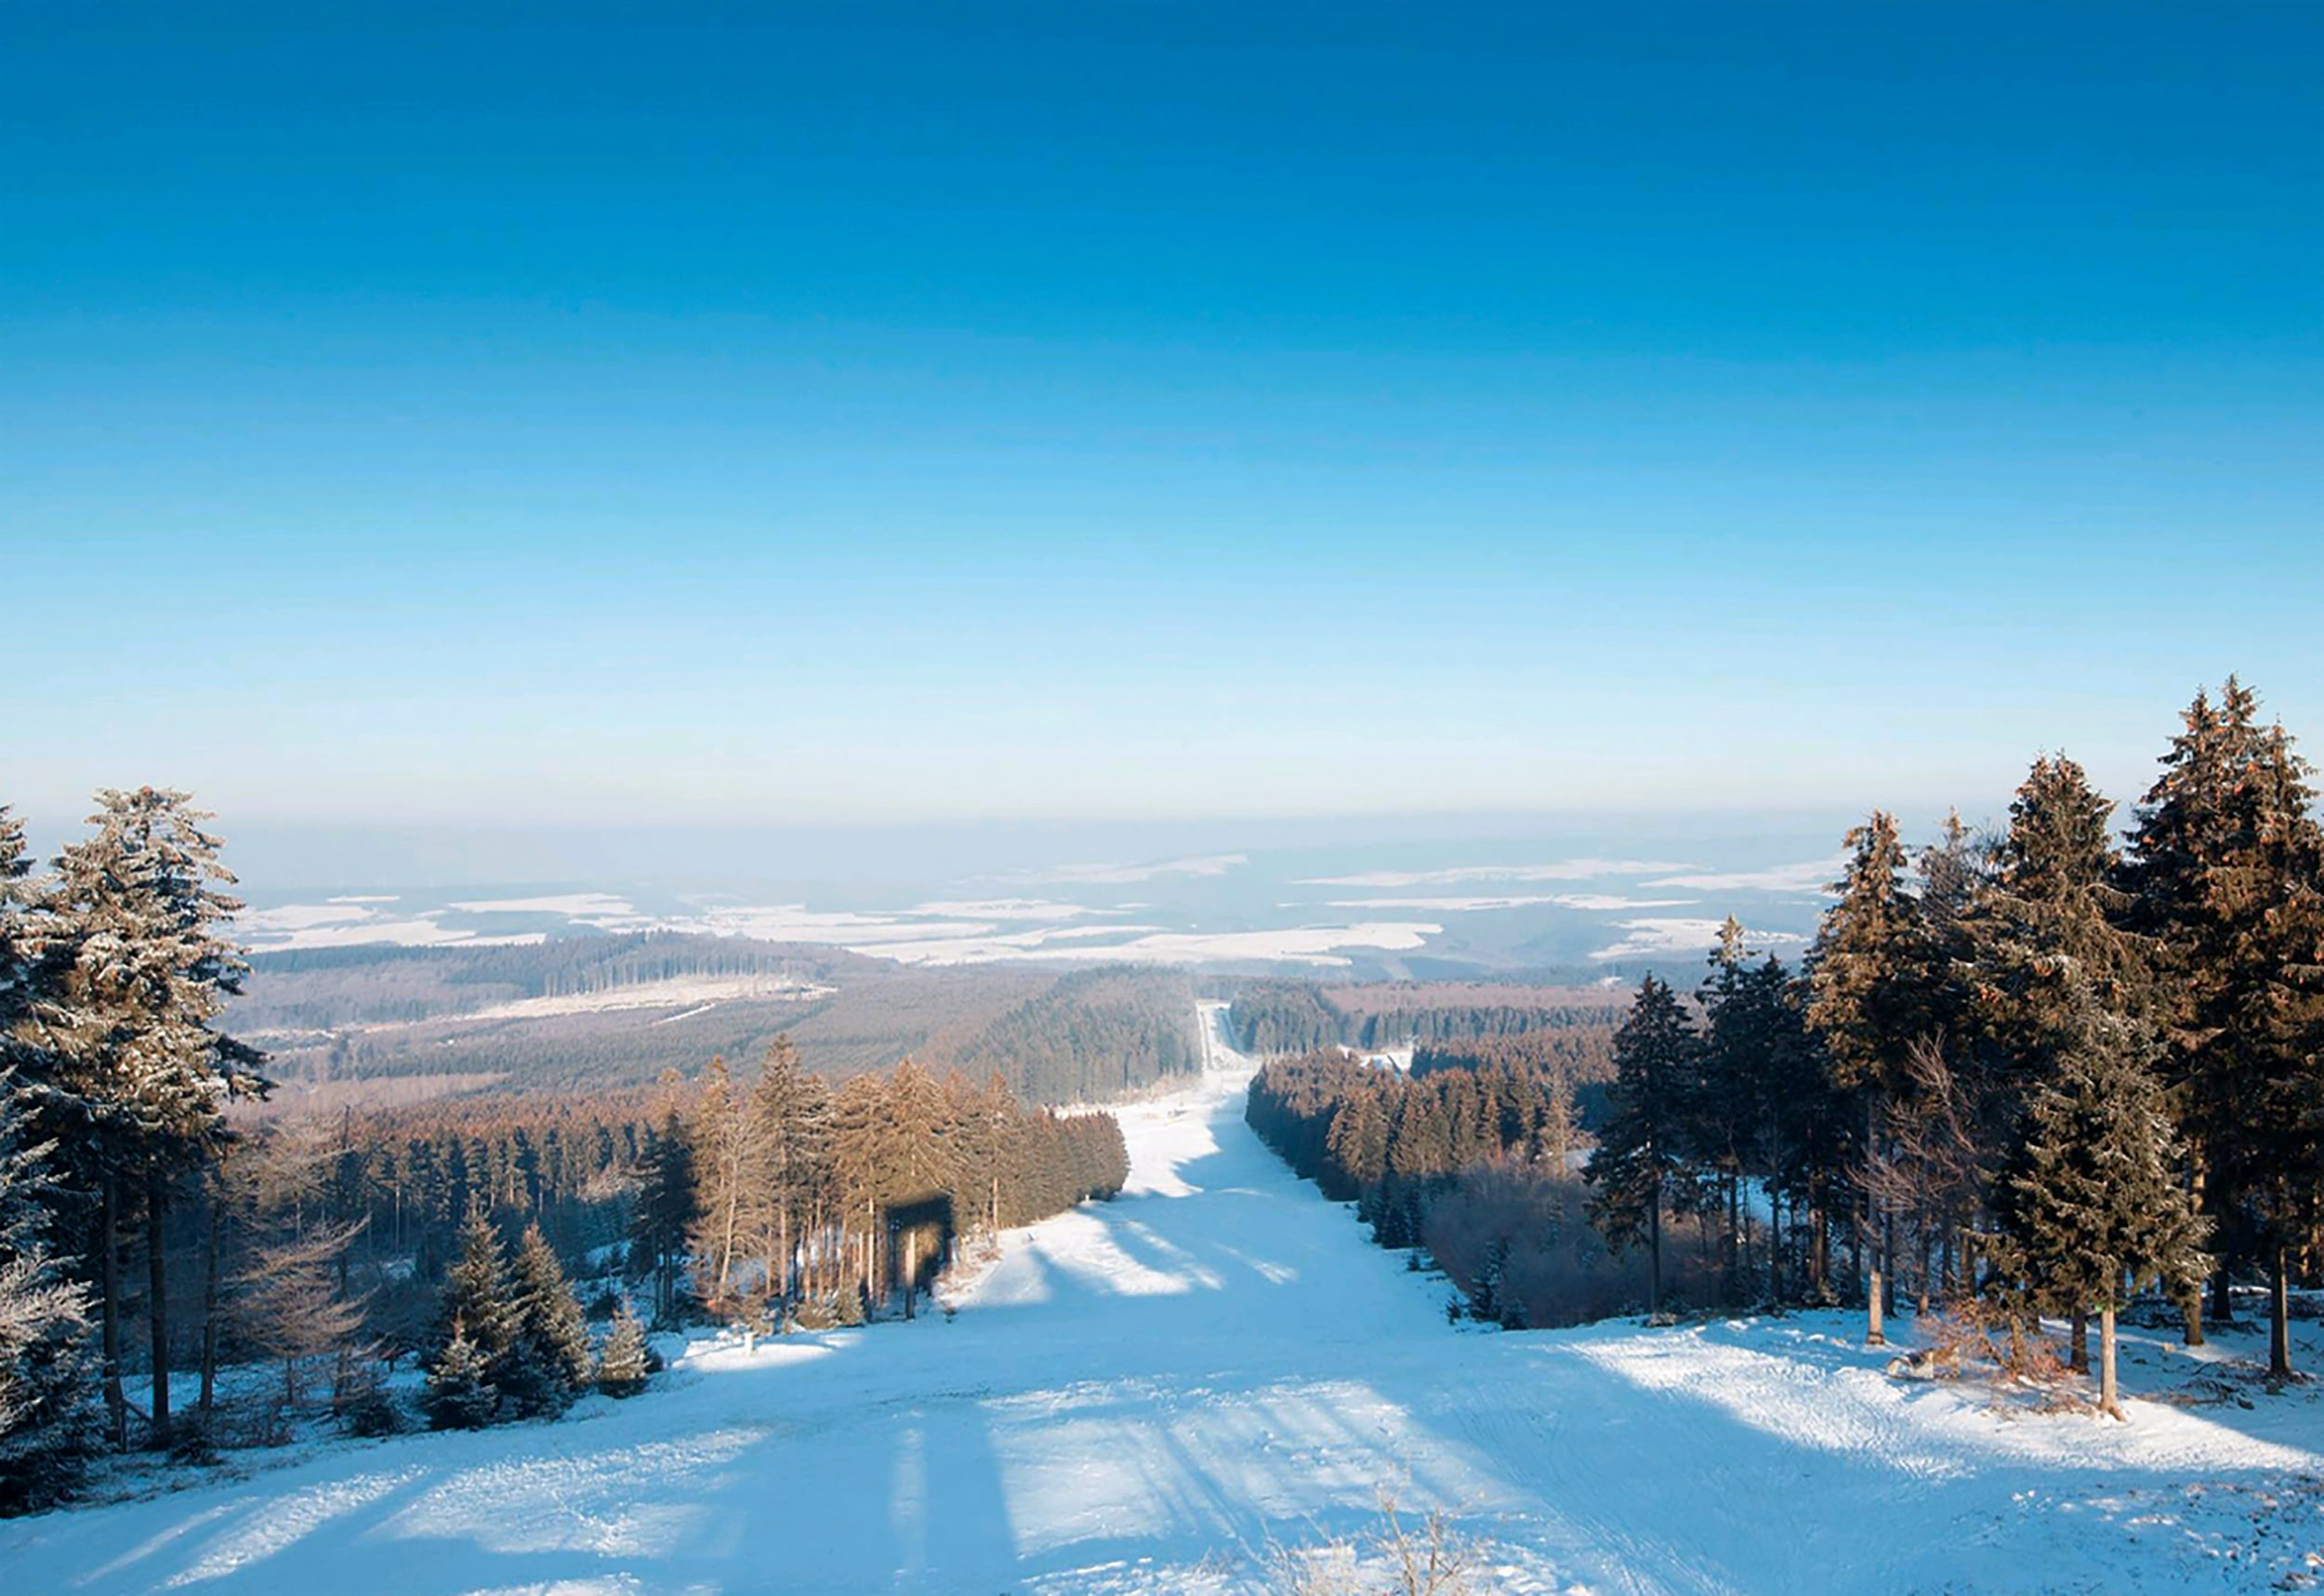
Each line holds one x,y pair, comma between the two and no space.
479,413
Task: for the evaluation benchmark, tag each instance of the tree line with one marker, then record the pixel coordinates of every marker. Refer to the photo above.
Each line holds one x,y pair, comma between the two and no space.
798,1200
2041,1069
1280,1017
2033,1071
140,1202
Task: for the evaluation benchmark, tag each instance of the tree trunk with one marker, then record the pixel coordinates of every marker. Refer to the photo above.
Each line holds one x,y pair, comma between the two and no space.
2078,1358
209,1309
1654,1277
2222,1294
2109,1398
2192,1306
1775,1248
1875,1294
1888,1262
2280,1317
109,1287
157,1305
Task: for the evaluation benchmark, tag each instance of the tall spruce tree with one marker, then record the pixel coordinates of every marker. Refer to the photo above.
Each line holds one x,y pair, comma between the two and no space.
2095,1205
2227,863
1640,1151
664,1210
133,975
2045,941
476,1312
1868,1001
550,1357
48,1425
461,1394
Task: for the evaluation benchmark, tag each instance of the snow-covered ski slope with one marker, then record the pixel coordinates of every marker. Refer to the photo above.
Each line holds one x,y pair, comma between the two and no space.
1144,1395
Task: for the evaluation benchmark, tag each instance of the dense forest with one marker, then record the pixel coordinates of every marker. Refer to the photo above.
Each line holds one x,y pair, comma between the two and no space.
611,1011
2021,1074
155,1225
1275,1017
1094,1036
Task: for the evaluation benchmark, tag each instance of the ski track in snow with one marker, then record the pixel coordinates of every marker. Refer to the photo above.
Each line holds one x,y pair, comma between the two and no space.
1151,1393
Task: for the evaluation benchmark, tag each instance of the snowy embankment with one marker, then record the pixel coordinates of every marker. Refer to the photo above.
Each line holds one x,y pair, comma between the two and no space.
1148,1394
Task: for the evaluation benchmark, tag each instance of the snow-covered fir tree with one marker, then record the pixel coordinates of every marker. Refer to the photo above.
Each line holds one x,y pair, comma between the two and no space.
2095,1205
625,1361
461,1394
132,973
48,1422
550,1357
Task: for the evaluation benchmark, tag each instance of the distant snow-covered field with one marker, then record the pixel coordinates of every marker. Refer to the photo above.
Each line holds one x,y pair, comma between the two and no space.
1152,1395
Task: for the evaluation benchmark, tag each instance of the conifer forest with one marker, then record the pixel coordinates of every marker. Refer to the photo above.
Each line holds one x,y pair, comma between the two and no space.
2064,1071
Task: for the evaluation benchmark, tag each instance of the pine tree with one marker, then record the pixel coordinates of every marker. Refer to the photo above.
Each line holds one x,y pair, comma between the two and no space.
1358,1146
2227,878
664,1210
1640,1156
478,1309
2095,1204
1868,1002
48,1427
550,1356
132,976
2045,941
461,1394
626,1361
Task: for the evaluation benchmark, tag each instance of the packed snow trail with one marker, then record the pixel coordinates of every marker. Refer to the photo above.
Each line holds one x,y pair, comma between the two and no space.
1150,1393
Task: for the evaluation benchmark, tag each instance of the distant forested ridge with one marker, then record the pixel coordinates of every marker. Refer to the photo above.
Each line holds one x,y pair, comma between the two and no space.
1094,1036
1275,1017
318,988
619,1010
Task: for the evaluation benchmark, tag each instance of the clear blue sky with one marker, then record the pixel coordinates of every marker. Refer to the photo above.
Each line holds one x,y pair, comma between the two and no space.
475,413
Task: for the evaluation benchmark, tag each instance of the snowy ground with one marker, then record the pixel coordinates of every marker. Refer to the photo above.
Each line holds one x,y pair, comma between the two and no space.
1148,1394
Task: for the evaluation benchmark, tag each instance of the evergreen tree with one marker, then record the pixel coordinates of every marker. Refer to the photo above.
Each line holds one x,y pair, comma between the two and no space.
132,977
550,1357
2045,941
478,1309
49,1426
664,1211
2095,1205
1358,1146
461,1394
1640,1155
624,1365
2226,872
1868,1002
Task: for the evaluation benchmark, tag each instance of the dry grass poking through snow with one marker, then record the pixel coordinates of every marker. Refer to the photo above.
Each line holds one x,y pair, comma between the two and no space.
1395,1557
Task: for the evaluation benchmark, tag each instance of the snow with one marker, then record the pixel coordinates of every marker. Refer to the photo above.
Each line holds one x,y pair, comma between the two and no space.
1123,874
1591,901
1808,875
1149,1394
1654,935
1556,870
692,993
